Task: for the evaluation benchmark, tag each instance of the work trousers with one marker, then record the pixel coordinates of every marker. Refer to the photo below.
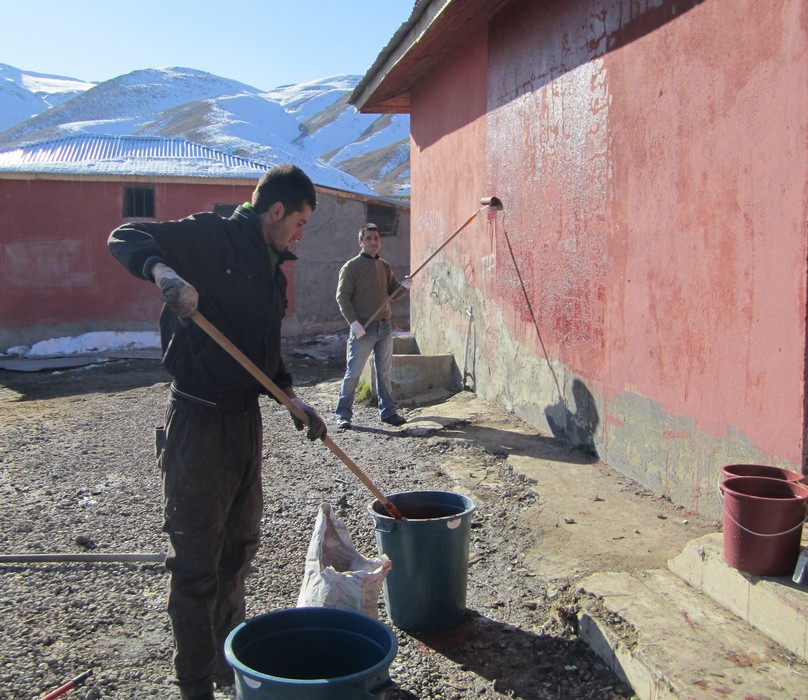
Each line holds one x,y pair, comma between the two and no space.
378,339
210,461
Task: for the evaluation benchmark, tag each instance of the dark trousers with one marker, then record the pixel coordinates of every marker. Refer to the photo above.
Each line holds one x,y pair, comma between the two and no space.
211,469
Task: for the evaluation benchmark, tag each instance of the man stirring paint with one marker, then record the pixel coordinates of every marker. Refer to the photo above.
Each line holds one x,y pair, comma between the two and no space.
210,448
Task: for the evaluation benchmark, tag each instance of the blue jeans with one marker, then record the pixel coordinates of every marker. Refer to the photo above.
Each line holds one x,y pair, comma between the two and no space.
378,339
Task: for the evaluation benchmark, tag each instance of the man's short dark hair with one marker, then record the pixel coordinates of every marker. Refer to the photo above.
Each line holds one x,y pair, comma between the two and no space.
287,184
367,227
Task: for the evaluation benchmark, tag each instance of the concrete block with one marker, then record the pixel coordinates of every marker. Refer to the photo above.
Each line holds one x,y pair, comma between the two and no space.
405,345
667,640
781,613
420,374
689,564
415,375
773,605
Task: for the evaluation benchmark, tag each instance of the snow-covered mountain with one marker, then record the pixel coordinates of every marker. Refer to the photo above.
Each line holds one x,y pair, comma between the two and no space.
24,94
311,124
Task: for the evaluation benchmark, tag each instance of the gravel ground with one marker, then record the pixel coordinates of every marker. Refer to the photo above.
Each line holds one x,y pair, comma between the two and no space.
78,475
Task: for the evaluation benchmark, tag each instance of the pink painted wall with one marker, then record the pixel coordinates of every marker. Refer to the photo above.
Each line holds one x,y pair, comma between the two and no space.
56,269
652,162
58,278
452,137
709,162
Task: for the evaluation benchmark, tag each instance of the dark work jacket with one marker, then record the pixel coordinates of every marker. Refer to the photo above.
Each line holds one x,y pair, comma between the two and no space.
228,263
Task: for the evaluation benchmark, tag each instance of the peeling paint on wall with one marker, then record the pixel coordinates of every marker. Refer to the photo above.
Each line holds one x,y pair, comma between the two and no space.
653,171
560,197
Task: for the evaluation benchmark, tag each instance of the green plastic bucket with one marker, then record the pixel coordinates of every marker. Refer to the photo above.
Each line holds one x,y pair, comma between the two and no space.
311,654
425,589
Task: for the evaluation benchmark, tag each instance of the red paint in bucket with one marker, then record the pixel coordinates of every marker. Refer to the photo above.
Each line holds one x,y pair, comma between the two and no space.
769,472
763,520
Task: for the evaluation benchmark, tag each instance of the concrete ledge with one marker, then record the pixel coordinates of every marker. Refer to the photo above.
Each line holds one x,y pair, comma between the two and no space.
420,374
414,375
405,345
775,606
667,640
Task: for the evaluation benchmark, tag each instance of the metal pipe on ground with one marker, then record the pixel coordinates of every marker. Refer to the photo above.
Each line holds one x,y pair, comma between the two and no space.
491,203
82,557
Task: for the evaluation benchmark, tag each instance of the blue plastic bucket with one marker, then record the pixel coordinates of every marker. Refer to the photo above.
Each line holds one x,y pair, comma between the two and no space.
425,589
311,654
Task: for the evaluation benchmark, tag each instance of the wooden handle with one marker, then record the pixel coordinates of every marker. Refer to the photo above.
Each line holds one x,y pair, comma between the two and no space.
421,266
281,396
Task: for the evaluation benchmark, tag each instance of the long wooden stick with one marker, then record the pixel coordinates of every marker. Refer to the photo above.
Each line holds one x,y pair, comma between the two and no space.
393,296
281,396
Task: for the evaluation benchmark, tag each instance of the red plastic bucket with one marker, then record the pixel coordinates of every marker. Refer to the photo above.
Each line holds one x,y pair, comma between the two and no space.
769,472
763,519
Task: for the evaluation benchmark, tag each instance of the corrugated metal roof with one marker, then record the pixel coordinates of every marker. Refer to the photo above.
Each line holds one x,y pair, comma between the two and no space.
127,155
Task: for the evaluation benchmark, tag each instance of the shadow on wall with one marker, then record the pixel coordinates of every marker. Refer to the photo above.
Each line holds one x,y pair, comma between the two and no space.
578,428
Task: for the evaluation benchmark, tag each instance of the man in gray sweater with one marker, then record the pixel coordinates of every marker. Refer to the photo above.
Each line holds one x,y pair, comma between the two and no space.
365,285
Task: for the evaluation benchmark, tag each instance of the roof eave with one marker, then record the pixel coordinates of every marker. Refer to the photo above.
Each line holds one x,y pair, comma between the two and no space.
433,30
385,88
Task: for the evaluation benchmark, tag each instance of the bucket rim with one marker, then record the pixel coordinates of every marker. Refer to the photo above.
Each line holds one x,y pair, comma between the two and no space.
800,478
731,481
237,664
760,501
469,502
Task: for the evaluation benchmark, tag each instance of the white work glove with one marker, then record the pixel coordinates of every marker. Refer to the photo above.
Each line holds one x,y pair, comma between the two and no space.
180,296
357,329
317,427
406,283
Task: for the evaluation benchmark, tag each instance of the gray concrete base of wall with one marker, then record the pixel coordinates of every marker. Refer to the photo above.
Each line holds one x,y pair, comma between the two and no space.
417,378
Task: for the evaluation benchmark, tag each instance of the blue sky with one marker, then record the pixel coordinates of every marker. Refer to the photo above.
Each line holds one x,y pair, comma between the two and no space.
264,43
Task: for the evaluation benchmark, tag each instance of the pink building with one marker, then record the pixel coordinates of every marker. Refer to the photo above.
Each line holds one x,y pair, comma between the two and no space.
643,294
60,199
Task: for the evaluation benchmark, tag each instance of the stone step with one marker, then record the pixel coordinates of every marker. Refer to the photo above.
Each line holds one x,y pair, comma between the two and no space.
405,345
774,605
663,633
416,377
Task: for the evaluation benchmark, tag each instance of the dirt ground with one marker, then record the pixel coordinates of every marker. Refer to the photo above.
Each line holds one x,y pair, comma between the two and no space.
78,476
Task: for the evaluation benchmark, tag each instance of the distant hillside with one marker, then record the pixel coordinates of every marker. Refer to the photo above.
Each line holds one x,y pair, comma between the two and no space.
311,124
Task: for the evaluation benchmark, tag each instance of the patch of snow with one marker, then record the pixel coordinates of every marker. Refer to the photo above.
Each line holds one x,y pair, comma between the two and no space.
88,343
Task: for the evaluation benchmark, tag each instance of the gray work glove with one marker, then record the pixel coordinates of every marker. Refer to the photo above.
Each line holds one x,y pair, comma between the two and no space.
317,427
357,329
178,295
406,283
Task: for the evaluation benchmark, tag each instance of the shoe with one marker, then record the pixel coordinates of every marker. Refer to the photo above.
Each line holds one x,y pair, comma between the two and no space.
344,424
224,680
395,419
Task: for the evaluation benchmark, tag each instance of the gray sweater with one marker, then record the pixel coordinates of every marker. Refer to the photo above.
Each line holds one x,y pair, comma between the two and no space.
364,284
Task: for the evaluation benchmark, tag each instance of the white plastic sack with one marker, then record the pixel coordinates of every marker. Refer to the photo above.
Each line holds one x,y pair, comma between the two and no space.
336,575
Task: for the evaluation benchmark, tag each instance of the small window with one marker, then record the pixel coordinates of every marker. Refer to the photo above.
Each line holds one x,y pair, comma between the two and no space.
138,203
225,210
385,218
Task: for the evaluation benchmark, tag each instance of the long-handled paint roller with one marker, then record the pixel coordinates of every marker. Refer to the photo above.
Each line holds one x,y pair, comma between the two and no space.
276,391
491,203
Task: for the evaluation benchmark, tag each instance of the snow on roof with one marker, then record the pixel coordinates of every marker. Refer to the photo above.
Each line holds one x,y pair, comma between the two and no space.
127,155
